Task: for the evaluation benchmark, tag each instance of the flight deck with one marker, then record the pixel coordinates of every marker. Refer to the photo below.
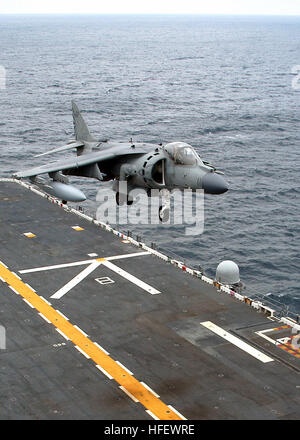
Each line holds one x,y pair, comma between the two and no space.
99,328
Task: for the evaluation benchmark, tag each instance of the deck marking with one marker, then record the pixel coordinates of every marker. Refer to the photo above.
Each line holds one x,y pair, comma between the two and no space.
79,329
131,278
151,414
104,372
92,265
128,394
67,287
82,352
283,340
133,254
57,266
262,335
126,369
44,299
61,333
44,317
77,228
285,343
104,280
237,342
155,407
28,303
79,263
101,348
13,290
177,412
151,391
62,315
290,349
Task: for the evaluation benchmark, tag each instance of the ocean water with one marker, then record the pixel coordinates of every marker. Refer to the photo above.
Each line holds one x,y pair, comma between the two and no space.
222,84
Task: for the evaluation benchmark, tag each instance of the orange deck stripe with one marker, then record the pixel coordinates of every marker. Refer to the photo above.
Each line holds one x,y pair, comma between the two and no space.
291,350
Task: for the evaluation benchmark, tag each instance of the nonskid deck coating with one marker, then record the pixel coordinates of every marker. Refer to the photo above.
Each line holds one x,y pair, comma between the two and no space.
172,364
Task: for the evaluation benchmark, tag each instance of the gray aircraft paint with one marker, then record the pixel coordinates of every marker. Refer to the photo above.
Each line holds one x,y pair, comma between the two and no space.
141,165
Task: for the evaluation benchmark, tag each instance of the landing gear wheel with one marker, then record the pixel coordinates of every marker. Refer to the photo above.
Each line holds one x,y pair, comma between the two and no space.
120,200
164,213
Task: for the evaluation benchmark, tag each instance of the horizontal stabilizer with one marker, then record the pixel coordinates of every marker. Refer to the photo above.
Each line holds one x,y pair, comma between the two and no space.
63,148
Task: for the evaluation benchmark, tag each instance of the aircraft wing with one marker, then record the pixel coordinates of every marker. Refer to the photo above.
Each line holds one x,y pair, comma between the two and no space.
113,152
69,146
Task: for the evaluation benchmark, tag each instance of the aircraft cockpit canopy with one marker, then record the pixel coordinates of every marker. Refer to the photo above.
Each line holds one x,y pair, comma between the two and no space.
182,153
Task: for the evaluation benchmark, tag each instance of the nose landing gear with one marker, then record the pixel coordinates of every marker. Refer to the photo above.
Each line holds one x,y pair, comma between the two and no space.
164,209
122,199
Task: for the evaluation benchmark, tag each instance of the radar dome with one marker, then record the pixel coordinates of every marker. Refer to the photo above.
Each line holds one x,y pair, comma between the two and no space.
228,273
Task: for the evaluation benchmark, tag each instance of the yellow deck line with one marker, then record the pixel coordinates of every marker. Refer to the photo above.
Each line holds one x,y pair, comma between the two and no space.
119,374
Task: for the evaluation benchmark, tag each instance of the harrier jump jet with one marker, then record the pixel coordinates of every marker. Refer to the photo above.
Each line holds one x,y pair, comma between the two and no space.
175,165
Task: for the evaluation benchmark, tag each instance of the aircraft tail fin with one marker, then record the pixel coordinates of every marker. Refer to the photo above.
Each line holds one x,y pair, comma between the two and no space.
82,132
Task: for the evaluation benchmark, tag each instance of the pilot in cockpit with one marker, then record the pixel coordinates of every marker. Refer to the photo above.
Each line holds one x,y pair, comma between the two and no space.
183,154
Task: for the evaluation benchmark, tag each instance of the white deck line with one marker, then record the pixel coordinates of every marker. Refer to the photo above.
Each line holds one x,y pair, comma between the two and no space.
11,288
44,299
149,389
44,317
62,315
81,331
151,414
62,334
237,342
57,266
262,335
104,372
101,348
177,412
82,352
17,276
128,394
79,263
266,331
124,368
134,254
76,280
27,302
131,278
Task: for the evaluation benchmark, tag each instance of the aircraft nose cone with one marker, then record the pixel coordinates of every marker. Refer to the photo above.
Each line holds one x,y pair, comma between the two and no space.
213,183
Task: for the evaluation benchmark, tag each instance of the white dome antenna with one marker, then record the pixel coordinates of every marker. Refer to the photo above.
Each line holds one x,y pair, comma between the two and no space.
228,273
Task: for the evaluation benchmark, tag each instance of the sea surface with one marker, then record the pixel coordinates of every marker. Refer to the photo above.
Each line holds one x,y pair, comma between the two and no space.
222,84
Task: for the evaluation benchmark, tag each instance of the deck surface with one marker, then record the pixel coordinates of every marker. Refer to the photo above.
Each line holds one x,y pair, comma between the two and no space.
120,321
